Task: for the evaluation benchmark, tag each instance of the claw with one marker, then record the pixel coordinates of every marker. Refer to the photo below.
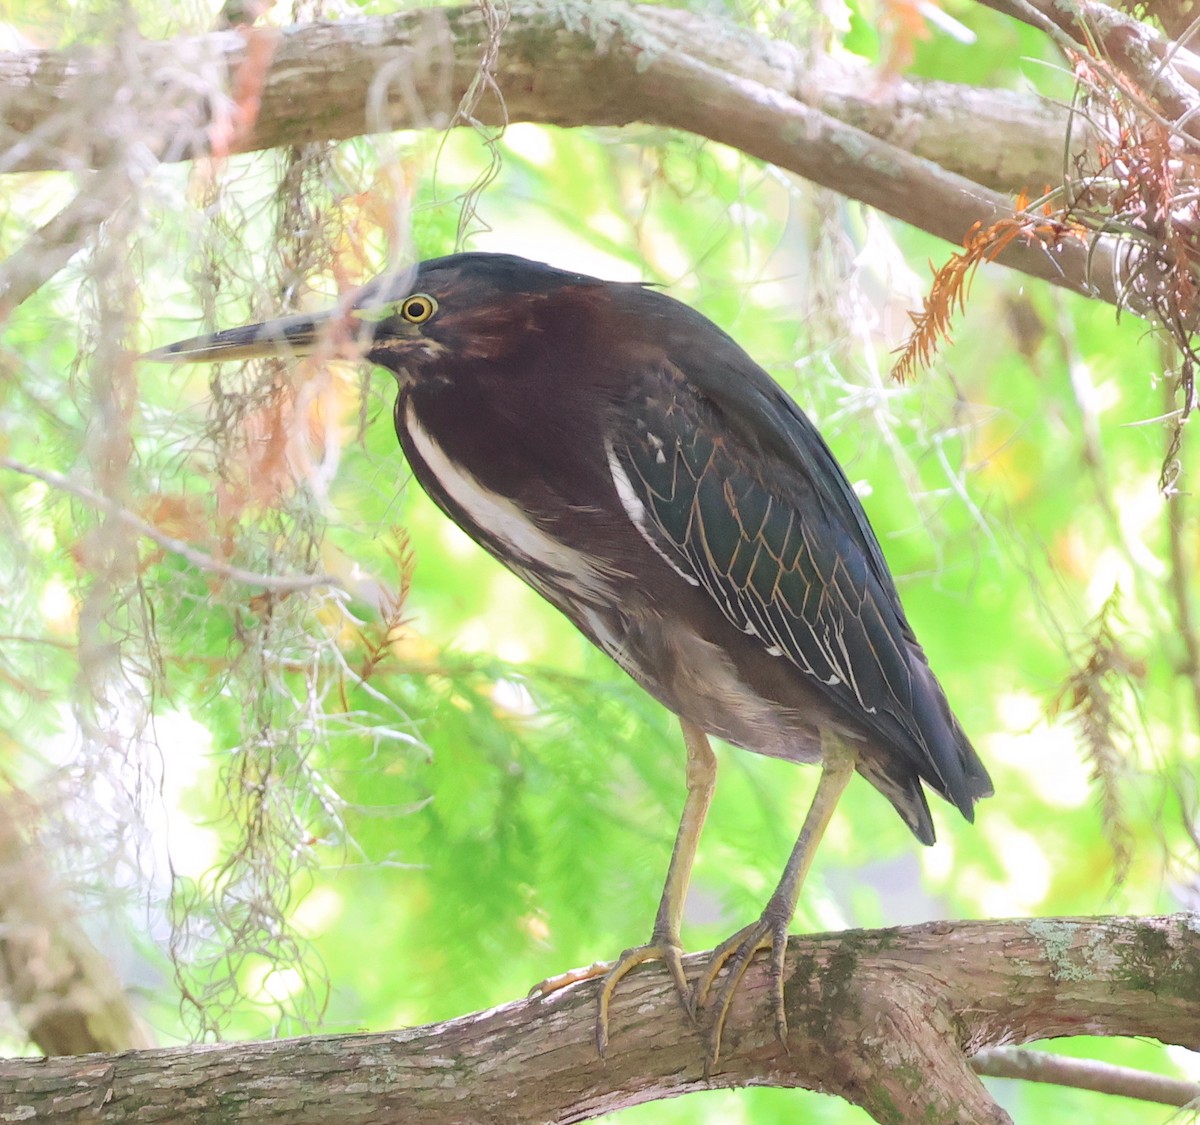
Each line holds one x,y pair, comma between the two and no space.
656,949
738,951
551,985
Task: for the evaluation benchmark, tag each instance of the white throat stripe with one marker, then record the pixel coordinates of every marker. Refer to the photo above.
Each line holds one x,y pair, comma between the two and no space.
500,517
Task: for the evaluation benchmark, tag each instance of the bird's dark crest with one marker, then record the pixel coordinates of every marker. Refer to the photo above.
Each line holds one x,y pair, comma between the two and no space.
503,274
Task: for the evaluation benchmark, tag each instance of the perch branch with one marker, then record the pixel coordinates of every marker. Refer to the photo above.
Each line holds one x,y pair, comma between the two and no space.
885,1019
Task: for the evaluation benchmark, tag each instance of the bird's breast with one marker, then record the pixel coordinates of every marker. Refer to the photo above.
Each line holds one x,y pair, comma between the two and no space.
506,528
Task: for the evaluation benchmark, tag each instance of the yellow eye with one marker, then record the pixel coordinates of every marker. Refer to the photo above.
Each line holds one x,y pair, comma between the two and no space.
418,308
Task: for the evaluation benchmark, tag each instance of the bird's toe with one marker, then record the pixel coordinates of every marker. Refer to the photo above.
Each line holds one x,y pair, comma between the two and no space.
734,955
666,949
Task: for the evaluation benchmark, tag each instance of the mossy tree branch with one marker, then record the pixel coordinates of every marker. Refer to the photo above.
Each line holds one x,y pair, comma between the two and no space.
898,146
886,1019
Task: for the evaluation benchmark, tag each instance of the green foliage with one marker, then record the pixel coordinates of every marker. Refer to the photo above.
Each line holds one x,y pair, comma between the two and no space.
422,797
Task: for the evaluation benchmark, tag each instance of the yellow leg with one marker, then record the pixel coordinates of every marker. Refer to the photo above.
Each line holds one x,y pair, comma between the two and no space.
770,931
664,943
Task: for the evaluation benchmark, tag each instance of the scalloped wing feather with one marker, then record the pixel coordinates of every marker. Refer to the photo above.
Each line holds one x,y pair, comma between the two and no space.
783,554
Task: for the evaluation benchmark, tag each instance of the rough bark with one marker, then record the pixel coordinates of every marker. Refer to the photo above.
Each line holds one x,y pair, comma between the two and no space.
898,145
886,1019
563,64
63,991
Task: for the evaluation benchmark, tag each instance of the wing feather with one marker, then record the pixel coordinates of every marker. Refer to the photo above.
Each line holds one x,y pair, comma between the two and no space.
749,503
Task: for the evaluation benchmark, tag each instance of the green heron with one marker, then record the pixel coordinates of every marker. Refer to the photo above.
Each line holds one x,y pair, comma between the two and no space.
630,462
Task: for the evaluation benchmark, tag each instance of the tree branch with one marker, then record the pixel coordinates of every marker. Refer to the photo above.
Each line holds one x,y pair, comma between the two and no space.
567,64
898,147
1086,1074
885,1019
1167,71
63,991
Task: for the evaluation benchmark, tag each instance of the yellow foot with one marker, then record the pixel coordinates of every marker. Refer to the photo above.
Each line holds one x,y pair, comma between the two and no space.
551,985
738,951
663,949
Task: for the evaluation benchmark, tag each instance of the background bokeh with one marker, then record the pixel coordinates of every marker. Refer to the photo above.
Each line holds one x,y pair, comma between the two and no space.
301,811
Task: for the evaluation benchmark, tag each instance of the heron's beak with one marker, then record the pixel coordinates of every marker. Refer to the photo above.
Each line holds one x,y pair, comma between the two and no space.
343,332
336,332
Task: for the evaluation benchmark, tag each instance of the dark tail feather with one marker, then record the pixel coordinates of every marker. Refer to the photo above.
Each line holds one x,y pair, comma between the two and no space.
941,756
949,766
902,786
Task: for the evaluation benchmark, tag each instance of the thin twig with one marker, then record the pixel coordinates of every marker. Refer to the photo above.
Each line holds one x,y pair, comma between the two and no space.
49,248
1181,569
275,583
1085,1074
1167,71
1083,391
